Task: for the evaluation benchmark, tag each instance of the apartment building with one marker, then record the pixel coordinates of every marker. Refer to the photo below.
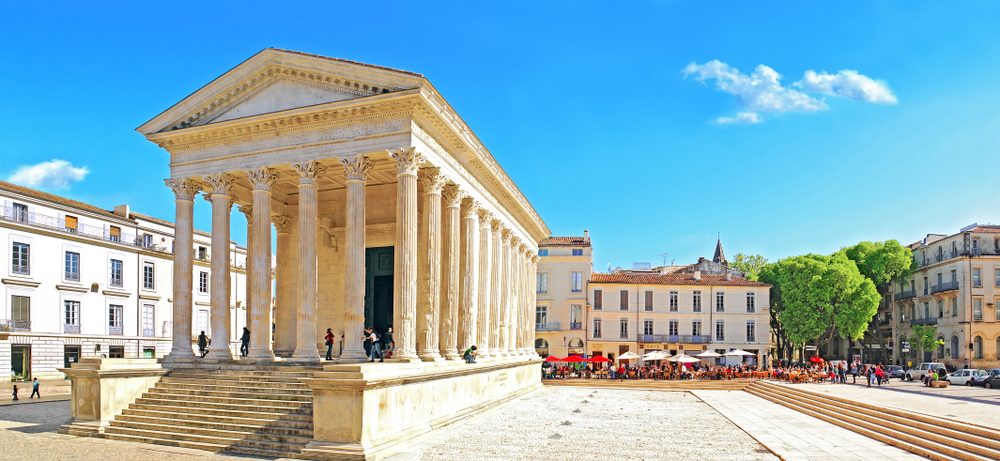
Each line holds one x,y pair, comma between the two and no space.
954,287
564,269
81,281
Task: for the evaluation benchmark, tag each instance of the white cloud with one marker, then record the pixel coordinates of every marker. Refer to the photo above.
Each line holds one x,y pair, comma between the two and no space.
742,118
848,84
57,174
760,91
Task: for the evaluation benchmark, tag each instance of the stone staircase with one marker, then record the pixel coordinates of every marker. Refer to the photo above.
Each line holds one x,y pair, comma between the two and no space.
929,436
257,411
661,385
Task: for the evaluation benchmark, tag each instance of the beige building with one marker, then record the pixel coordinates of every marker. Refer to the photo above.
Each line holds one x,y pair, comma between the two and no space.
956,288
564,269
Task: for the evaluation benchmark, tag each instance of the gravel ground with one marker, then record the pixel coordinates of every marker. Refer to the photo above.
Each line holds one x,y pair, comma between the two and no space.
597,424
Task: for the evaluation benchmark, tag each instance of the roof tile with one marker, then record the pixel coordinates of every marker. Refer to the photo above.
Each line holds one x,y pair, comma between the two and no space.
673,279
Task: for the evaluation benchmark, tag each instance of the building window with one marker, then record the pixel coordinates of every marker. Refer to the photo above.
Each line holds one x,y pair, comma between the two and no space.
696,301
649,302
543,252
696,327
202,254
148,276
954,307
720,302
542,282
541,317
751,303
116,273
940,308
71,224
598,300
996,277
977,308
20,313
925,285
927,311
203,282
977,277
575,317
115,234
114,320
623,302
673,301
146,241
597,328
647,327
72,267
20,212
623,328
954,347
577,252
577,282
20,258
71,317
116,352
751,331
673,330
720,330
148,322
977,348
203,324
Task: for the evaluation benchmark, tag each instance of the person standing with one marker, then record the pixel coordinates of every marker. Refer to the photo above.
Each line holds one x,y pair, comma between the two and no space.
34,389
202,344
387,343
854,372
376,346
15,393
329,343
245,342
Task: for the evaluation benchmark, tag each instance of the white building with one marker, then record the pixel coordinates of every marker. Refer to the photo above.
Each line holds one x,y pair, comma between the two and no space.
80,281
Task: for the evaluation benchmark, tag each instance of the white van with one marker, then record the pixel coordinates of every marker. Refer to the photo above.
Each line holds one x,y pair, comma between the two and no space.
923,369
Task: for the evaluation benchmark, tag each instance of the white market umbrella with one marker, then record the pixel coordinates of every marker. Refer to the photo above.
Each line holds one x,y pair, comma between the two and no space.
709,355
683,358
738,352
628,356
656,355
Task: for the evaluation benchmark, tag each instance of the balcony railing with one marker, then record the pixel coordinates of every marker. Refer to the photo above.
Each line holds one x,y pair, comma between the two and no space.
114,330
116,283
19,269
924,321
885,322
83,230
575,325
654,338
74,276
15,325
547,326
681,339
147,332
906,295
944,286
67,328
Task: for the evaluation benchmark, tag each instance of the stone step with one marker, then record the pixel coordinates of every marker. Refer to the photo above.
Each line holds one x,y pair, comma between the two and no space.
250,393
245,407
235,383
237,378
214,444
301,414
902,435
186,431
279,388
259,419
154,394
147,438
264,427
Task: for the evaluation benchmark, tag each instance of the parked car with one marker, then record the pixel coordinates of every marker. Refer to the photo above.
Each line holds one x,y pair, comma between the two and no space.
923,369
967,376
992,380
895,371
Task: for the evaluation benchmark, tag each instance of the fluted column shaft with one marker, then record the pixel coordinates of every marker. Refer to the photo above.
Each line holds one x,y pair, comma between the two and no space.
429,317
184,192
515,298
496,287
470,270
483,315
532,277
259,293
284,292
505,293
404,303
305,322
450,262
526,303
357,169
221,184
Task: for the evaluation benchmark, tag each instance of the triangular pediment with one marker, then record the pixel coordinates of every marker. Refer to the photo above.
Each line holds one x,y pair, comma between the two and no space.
279,80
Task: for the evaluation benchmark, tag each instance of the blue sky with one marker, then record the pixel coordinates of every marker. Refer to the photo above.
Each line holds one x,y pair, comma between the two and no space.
587,107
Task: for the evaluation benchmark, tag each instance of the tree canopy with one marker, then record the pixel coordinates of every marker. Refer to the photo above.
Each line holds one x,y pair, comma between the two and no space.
881,262
750,265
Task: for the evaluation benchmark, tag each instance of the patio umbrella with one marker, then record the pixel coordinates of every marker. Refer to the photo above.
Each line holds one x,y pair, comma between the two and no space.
683,358
628,356
574,359
553,358
656,355
735,352
599,359
816,360
709,355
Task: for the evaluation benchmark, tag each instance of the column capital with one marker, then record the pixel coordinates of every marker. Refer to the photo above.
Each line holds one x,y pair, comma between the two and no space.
262,178
247,211
505,235
470,207
282,224
357,167
221,182
407,160
432,179
184,188
535,259
308,171
525,249
452,195
484,216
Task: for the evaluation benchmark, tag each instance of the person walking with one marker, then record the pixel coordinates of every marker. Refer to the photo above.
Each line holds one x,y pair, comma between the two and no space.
868,376
388,346
34,389
854,372
202,344
245,342
329,343
376,346
843,373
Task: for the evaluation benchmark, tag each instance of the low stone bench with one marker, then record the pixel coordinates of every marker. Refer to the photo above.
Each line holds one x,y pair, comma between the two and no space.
939,383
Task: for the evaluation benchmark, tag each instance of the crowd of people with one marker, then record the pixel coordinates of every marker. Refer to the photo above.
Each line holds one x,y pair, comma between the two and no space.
667,370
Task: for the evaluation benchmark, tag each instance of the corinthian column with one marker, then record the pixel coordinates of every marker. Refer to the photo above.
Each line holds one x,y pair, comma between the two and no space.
483,314
221,184
305,325
284,291
526,307
247,211
429,316
496,286
184,192
532,277
357,169
260,265
470,269
450,284
515,292
505,293
404,302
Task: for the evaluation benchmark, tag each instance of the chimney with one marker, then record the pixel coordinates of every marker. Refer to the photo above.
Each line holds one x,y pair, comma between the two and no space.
697,275
729,276
122,210
586,236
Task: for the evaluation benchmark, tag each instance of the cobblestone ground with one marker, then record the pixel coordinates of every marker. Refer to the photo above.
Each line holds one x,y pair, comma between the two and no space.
28,433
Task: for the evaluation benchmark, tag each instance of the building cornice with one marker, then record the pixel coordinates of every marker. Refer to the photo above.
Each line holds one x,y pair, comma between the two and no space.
120,294
77,238
77,289
21,283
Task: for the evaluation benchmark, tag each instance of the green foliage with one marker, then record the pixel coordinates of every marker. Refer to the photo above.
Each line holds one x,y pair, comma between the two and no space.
923,338
750,265
820,296
881,262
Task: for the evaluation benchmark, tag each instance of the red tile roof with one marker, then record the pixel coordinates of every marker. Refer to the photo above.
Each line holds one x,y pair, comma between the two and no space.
348,61
54,199
564,241
674,279
986,229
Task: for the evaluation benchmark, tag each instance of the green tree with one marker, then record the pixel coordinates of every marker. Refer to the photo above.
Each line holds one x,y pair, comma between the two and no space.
750,265
882,263
821,296
923,338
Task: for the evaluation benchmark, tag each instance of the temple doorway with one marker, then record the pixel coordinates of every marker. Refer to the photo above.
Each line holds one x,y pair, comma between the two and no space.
378,288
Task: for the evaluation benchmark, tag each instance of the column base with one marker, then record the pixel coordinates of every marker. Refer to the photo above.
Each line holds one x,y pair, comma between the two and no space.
220,355
429,355
353,357
261,355
179,354
305,355
451,354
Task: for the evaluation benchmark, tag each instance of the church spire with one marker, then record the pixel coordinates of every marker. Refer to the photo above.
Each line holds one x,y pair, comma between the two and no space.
719,257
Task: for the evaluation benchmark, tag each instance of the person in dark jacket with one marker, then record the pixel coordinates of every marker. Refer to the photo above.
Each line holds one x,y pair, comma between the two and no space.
245,342
387,343
329,343
202,344
15,392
